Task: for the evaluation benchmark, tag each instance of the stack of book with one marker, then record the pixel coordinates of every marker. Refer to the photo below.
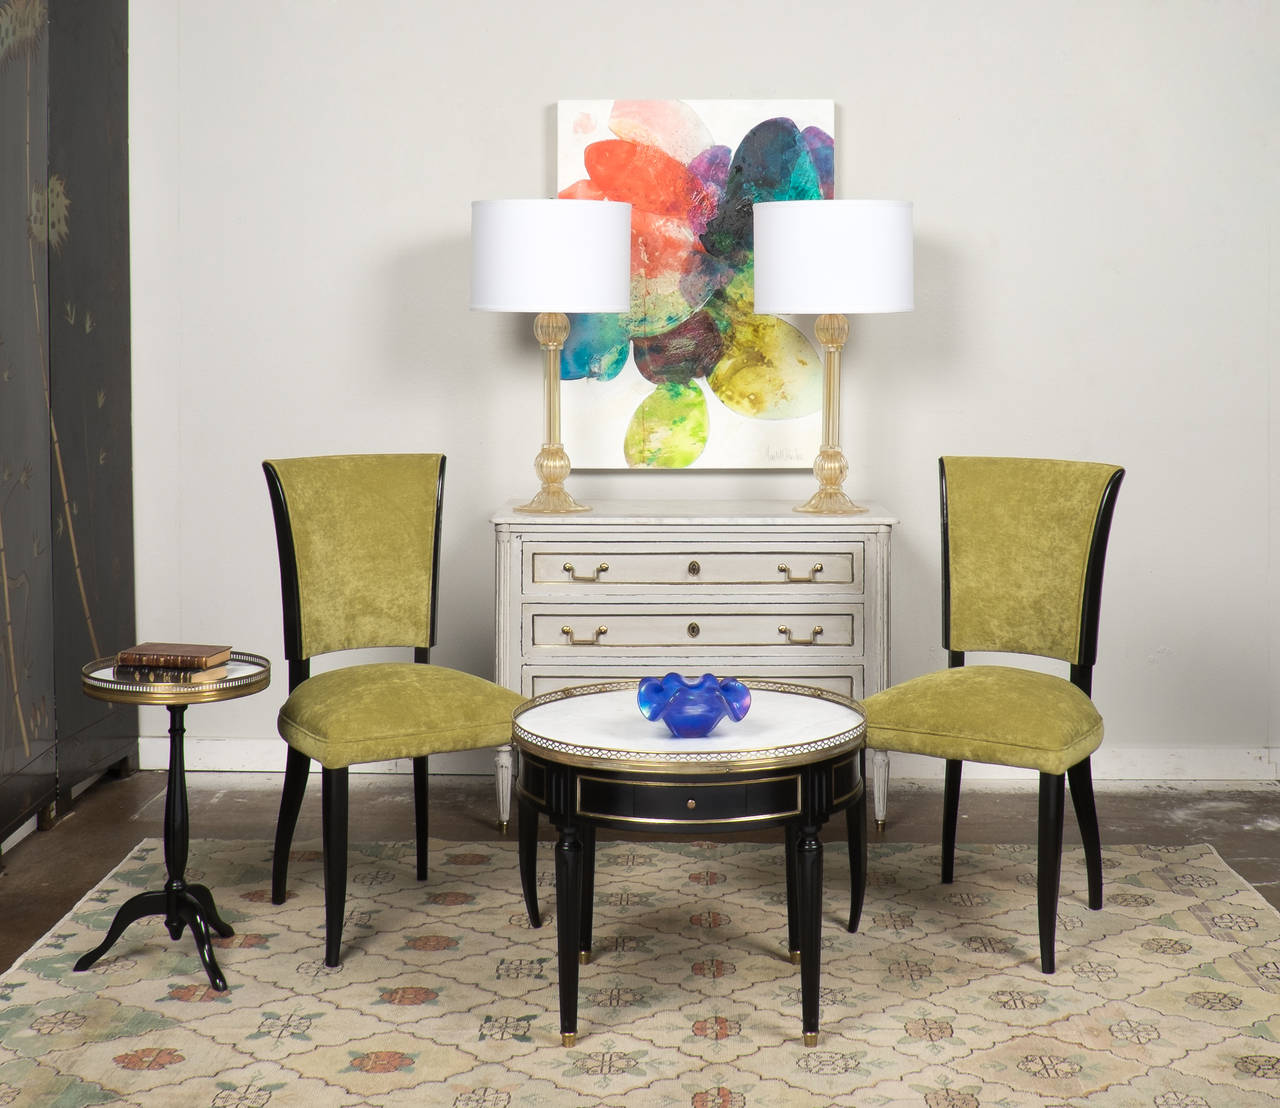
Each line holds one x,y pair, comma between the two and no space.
172,663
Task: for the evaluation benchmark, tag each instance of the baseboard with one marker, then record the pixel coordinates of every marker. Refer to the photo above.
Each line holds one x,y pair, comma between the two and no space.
1111,763
1120,763
267,756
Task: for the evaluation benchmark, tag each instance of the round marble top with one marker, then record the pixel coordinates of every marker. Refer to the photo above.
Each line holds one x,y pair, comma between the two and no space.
593,724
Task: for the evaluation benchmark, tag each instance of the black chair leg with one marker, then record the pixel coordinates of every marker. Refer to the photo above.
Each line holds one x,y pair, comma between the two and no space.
333,807
950,814
296,768
1080,782
1049,863
420,812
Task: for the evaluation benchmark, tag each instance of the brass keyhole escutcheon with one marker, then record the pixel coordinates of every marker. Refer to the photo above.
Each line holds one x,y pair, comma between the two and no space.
691,804
694,630
694,569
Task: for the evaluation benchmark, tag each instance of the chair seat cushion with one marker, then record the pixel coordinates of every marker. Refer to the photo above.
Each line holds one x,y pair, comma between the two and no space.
997,714
387,710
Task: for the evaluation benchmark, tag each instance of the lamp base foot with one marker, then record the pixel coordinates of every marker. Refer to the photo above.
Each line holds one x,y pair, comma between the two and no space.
552,467
830,502
553,499
830,469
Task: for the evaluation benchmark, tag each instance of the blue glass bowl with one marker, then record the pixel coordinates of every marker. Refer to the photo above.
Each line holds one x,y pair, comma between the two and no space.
692,709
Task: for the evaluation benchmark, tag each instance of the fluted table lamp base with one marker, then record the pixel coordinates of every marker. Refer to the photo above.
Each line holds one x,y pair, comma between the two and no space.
830,468
552,467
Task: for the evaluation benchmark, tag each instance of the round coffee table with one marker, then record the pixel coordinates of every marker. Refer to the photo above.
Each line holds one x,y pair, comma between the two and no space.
182,905
589,759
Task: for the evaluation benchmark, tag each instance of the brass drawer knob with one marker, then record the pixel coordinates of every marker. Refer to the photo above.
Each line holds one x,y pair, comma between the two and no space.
691,804
813,635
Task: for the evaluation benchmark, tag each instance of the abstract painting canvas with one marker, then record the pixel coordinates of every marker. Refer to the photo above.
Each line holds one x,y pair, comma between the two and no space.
691,377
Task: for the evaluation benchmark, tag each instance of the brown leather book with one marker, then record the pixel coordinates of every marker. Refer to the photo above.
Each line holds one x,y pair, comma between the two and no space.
174,655
168,675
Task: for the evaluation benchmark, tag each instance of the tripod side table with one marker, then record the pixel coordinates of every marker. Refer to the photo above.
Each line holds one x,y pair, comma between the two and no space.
182,905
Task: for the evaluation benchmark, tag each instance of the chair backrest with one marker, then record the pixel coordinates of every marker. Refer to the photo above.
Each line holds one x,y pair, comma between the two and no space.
359,538
1023,546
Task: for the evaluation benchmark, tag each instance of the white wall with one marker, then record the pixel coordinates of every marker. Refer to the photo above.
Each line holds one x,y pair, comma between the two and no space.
1095,190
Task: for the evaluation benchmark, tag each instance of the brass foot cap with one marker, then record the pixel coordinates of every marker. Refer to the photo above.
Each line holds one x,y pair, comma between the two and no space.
795,957
584,957
570,1038
879,825
502,826
810,1038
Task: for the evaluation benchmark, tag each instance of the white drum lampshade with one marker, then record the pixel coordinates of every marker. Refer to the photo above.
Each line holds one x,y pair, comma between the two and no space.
550,256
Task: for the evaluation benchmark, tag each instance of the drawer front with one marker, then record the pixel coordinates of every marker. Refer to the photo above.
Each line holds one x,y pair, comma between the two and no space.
842,680
593,568
691,630
663,802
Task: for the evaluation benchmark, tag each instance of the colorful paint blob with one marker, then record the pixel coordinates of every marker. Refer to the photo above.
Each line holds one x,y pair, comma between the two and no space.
668,429
691,331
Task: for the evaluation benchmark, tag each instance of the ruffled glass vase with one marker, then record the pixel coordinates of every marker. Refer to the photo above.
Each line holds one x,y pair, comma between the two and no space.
692,709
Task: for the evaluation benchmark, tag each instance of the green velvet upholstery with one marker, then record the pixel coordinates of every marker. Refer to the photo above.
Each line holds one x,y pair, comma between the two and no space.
1002,715
1019,534
358,541
387,710
363,529
1023,542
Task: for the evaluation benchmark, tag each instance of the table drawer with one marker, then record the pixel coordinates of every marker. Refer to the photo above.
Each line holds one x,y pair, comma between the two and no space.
593,567
665,802
603,629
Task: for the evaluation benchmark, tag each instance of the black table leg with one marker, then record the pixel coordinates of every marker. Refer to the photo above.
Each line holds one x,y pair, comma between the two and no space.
856,815
809,897
792,841
588,833
182,905
527,847
568,922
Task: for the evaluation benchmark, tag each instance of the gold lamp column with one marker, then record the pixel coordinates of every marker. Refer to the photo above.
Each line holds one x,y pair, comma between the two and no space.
551,257
832,257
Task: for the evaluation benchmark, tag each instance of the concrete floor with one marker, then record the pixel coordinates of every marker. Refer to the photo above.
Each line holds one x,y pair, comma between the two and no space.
45,874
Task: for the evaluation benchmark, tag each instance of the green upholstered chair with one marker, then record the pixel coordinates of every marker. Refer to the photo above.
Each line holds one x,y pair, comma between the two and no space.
1023,546
359,541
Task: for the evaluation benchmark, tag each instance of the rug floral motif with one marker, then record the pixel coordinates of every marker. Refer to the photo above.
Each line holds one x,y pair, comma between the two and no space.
1169,997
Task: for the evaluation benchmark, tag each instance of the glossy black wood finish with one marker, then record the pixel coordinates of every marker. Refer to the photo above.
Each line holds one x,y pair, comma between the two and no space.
799,799
182,905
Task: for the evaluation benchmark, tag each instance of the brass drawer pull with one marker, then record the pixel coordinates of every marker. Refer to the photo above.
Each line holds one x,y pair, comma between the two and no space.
785,630
593,641
691,804
694,569
603,567
813,573
694,630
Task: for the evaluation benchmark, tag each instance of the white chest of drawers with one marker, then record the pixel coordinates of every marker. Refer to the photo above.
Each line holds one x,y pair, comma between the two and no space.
742,588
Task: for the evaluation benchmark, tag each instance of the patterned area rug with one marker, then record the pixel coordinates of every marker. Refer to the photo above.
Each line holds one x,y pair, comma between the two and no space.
1167,998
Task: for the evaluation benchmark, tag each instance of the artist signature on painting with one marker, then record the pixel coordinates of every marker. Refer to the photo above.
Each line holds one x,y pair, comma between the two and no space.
785,454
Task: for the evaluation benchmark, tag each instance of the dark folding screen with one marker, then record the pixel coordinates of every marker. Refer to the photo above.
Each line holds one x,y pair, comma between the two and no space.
66,504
